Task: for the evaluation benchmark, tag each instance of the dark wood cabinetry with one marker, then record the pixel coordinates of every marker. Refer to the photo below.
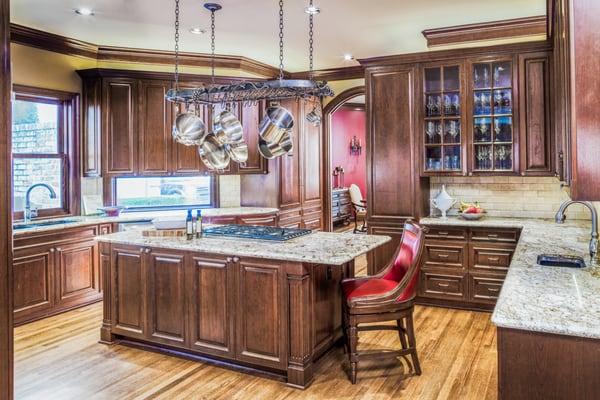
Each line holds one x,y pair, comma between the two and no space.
134,133
465,267
55,272
295,182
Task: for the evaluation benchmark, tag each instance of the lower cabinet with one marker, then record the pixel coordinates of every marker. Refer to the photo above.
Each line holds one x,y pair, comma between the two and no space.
54,272
465,268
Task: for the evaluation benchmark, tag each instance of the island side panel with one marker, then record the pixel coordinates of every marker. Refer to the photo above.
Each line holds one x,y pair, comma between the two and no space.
106,336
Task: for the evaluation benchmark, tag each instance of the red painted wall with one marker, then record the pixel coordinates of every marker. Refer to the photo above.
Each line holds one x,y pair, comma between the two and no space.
346,123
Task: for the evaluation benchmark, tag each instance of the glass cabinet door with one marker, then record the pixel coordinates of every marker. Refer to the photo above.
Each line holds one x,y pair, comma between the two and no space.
492,132
442,136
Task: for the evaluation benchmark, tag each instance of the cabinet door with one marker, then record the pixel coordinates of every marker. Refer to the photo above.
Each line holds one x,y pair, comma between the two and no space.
129,291
154,128
261,324
311,167
211,289
327,305
166,296
290,163
33,283
91,125
77,274
120,148
250,117
536,142
185,158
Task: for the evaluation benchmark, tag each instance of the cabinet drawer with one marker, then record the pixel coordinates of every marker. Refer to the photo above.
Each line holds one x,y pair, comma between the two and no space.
491,258
485,289
446,233
442,286
495,235
445,255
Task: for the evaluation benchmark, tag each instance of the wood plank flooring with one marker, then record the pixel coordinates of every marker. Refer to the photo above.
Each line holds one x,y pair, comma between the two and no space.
60,358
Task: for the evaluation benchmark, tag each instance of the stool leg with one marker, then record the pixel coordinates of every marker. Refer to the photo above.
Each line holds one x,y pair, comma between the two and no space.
345,330
413,343
402,333
353,339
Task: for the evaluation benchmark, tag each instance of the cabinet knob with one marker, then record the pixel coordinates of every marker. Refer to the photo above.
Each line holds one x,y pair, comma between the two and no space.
236,259
148,251
52,250
58,249
229,259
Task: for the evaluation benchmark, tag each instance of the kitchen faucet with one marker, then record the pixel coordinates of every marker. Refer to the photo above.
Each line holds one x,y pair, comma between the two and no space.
29,213
560,218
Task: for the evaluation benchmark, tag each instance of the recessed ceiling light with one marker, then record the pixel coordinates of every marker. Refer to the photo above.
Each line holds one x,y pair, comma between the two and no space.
348,57
312,10
198,31
84,11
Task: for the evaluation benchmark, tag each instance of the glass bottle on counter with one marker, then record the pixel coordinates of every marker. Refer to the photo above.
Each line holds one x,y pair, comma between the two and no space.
189,226
199,224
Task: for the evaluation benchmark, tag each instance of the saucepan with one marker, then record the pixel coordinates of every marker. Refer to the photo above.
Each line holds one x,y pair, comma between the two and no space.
273,150
213,154
227,128
276,123
238,151
189,129
314,116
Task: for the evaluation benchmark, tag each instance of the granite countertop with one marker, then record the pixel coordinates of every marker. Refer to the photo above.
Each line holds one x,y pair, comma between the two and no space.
317,247
73,222
554,300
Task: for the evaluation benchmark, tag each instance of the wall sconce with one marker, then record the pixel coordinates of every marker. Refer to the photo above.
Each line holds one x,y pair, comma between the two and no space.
355,146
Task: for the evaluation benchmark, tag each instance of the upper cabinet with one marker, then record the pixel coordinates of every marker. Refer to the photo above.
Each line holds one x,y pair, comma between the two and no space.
127,125
487,115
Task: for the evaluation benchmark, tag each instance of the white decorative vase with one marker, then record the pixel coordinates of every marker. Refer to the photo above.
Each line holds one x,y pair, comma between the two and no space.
443,201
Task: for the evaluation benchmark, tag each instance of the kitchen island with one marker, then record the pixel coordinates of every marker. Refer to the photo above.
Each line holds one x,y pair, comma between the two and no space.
259,306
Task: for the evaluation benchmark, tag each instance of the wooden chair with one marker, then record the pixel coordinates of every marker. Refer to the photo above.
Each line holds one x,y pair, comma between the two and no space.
387,296
359,208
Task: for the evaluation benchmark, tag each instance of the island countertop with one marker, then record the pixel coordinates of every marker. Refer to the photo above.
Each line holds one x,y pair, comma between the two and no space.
317,247
554,300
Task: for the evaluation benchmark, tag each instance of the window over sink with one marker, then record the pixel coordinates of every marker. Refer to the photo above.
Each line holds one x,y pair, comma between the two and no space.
164,192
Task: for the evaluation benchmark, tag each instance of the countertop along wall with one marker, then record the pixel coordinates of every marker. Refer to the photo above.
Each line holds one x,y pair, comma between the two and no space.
510,196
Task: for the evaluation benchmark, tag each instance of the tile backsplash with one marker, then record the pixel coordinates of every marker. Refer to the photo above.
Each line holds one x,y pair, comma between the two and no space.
514,196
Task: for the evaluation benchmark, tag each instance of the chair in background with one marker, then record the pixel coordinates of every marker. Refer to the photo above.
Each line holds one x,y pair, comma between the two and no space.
387,296
359,209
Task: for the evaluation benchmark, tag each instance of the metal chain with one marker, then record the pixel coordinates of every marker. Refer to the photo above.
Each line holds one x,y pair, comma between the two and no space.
311,41
176,44
280,39
212,45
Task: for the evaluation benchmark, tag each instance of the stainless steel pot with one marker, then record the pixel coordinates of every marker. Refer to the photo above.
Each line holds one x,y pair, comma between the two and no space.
276,123
238,152
189,129
213,154
314,116
227,128
273,150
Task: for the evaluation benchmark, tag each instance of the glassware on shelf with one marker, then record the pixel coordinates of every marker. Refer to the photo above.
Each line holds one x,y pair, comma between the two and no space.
452,130
482,103
502,101
433,130
433,158
503,129
456,104
483,130
503,155
502,74
483,157
434,105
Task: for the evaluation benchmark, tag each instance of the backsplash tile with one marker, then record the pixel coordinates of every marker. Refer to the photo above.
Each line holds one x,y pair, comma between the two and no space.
229,191
509,196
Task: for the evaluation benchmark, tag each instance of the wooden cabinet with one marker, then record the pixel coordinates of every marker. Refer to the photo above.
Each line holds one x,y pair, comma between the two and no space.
55,271
341,206
465,268
134,133
577,87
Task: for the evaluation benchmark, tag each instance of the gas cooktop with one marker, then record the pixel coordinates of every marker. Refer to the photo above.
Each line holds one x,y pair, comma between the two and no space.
256,232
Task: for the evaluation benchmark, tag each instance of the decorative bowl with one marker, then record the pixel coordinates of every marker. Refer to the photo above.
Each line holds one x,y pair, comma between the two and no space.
111,211
472,216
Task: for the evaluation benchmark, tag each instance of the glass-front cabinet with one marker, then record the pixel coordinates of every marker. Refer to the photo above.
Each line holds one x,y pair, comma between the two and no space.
492,116
442,123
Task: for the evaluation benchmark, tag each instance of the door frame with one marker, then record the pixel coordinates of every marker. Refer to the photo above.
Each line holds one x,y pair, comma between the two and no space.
328,111
6,304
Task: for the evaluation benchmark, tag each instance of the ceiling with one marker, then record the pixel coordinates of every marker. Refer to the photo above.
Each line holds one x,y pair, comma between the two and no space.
249,28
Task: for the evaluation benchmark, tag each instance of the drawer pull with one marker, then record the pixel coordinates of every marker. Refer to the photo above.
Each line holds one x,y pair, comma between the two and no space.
443,255
443,233
494,259
443,284
493,290
493,235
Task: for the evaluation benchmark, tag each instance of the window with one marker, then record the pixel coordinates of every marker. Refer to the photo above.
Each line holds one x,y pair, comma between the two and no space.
44,124
164,192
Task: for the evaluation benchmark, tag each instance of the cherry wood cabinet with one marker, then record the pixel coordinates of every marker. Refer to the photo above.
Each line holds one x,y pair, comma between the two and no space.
465,267
56,271
133,137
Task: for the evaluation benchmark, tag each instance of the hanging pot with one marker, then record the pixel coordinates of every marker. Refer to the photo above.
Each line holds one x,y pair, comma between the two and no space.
227,128
189,129
238,152
273,150
276,123
213,154
314,116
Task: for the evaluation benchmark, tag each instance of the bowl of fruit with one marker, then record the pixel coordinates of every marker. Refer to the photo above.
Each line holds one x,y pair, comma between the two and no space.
471,211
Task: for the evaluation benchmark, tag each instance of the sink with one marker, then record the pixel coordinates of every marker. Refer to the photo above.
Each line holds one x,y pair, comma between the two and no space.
559,260
39,224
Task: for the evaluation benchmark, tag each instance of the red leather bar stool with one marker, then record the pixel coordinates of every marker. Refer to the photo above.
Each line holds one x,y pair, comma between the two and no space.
387,296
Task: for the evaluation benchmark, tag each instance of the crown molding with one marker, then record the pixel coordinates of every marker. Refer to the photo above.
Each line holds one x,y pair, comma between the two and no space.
332,74
505,29
60,44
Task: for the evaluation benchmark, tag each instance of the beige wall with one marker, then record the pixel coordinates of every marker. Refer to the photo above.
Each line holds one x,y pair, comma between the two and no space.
340,86
521,197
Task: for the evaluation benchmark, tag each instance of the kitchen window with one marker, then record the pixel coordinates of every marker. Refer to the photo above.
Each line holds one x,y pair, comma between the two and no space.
165,192
44,150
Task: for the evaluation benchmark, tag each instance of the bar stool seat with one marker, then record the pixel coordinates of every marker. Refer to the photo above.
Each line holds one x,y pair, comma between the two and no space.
387,296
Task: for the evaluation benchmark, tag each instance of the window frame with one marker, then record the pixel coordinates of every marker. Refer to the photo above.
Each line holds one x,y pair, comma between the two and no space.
68,147
214,194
